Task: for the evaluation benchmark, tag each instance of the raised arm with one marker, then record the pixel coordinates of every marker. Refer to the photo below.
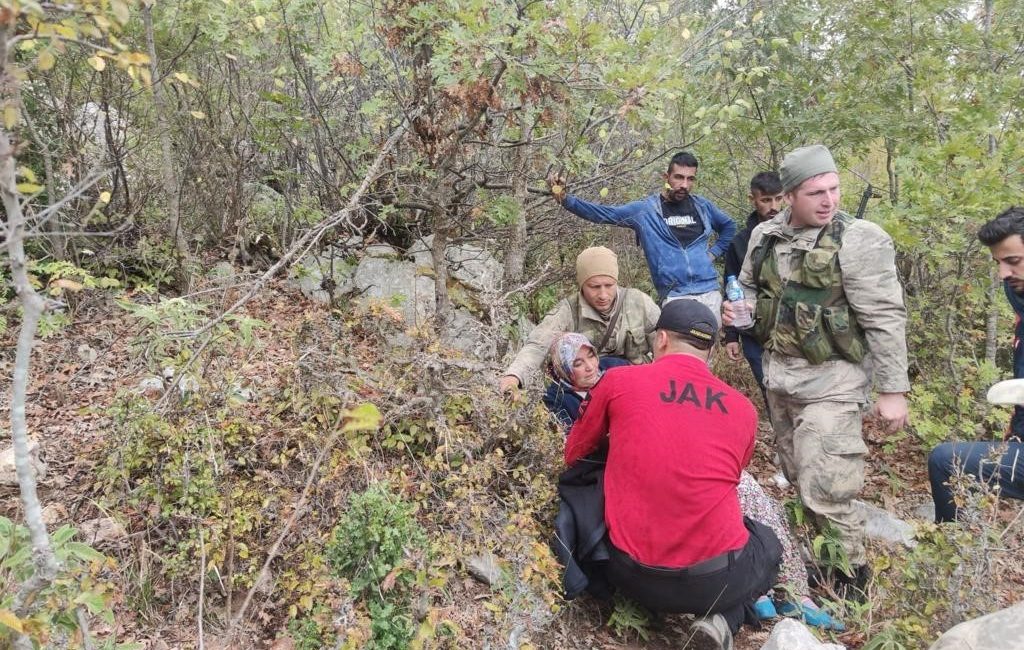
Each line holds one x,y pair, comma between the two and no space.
616,215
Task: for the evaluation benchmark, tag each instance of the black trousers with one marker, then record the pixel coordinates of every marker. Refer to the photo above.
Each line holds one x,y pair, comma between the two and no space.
730,591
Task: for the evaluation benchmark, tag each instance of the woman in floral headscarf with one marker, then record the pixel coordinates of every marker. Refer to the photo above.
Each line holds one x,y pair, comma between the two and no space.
574,365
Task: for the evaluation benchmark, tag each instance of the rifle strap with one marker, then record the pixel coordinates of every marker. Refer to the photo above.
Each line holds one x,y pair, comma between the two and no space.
612,320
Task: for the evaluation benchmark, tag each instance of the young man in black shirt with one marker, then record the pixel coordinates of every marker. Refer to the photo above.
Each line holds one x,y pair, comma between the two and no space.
766,198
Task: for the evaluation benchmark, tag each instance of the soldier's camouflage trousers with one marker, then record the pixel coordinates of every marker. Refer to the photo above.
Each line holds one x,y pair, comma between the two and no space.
822,451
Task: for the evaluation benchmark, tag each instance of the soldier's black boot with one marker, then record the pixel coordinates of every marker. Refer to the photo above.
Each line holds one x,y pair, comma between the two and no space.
853,587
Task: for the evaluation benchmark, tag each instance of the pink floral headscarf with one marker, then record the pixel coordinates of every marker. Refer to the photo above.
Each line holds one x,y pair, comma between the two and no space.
563,353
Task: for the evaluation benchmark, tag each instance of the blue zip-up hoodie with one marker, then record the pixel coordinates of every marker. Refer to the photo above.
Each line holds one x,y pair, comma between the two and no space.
1017,302
676,271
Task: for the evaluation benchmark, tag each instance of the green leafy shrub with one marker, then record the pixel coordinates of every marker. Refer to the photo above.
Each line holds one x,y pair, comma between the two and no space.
946,578
81,583
372,546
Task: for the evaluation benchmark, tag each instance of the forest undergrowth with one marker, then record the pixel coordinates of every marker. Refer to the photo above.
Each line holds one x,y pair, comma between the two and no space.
306,483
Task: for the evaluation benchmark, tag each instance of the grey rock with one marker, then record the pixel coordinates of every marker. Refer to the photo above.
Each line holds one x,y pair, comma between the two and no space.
791,634
884,526
151,386
8,472
1002,630
239,393
92,121
420,251
309,273
471,265
102,530
265,205
86,353
468,335
484,568
222,274
398,283
924,511
381,250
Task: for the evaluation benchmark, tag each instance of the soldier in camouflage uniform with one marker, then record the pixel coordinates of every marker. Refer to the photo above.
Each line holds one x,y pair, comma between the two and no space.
619,321
829,311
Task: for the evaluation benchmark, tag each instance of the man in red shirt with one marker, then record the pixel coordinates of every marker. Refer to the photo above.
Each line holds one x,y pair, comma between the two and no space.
677,440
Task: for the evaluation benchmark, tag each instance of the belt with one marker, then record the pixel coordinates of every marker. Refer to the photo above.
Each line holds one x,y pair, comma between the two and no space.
704,567
712,564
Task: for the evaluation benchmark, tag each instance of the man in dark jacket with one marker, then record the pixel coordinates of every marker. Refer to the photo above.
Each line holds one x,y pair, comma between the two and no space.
766,198
674,228
999,463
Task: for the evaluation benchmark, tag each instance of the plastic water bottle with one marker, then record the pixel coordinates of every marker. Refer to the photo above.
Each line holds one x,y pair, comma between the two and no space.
741,318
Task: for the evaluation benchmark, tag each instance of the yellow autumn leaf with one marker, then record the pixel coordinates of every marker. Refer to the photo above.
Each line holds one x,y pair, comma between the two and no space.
104,197
45,60
10,116
120,11
28,188
27,45
685,34
604,192
96,63
8,618
365,417
181,76
27,174
199,115
65,283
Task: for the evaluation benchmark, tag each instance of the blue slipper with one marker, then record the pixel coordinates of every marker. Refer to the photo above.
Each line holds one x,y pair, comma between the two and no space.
812,615
765,609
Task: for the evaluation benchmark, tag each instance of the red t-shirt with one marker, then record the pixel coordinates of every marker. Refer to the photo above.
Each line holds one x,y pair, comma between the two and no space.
678,438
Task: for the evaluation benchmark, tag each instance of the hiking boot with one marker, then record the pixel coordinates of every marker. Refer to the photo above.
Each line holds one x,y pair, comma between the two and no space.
846,587
855,587
711,633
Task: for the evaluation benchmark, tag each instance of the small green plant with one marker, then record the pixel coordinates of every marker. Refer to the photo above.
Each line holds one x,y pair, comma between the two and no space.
629,619
371,538
79,584
829,551
888,639
312,632
372,546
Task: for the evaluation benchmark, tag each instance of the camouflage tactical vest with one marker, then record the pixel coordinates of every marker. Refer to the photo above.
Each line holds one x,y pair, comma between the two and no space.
807,316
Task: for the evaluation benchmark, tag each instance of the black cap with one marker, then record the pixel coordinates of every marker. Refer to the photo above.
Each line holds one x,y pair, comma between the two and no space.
692,319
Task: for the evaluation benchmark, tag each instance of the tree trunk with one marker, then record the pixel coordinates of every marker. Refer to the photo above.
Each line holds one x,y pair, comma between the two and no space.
992,318
168,168
515,252
46,565
442,303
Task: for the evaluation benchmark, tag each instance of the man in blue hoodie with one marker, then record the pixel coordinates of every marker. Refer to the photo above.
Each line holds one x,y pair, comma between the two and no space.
998,463
674,229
